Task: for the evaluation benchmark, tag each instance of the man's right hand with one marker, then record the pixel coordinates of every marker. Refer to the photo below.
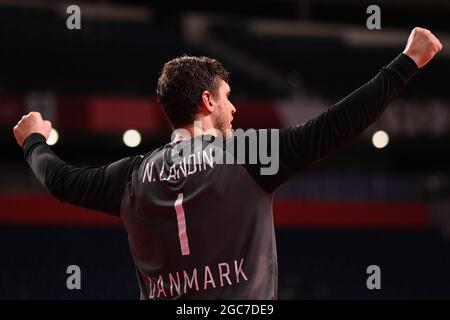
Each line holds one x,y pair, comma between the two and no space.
31,123
422,46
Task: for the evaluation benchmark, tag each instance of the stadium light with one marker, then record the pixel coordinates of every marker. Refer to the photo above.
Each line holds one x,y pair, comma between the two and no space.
132,138
380,139
53,137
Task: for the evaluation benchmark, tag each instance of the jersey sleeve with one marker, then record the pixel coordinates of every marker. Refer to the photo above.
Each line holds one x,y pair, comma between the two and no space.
98,188
303,145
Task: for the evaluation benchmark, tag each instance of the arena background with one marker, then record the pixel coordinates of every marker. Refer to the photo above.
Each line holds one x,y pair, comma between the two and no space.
289,60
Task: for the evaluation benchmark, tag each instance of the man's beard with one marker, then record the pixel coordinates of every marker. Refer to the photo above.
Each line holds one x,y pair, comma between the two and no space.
220,123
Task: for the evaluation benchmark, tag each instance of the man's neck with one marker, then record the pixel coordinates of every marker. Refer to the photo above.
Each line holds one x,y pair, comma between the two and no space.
192,130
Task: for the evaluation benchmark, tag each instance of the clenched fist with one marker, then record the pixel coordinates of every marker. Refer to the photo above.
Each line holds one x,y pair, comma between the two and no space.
31,123
422,46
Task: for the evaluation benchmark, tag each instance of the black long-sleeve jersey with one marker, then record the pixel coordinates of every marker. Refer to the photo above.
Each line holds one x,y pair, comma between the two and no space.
204,230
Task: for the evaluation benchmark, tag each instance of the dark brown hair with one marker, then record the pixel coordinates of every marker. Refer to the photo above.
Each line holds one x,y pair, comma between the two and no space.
182,83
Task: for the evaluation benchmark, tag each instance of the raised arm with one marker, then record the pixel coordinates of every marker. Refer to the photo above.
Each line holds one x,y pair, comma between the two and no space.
305,144
99,188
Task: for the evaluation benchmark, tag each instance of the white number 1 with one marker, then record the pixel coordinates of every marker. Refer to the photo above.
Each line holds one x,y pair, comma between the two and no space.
182,235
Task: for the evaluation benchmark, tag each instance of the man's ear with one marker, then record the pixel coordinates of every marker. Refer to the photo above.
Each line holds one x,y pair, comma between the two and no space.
207,101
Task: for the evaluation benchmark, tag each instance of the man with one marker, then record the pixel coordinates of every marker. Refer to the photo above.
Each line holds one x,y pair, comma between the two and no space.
204,230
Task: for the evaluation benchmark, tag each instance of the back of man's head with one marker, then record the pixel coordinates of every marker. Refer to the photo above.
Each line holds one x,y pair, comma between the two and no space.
182,83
